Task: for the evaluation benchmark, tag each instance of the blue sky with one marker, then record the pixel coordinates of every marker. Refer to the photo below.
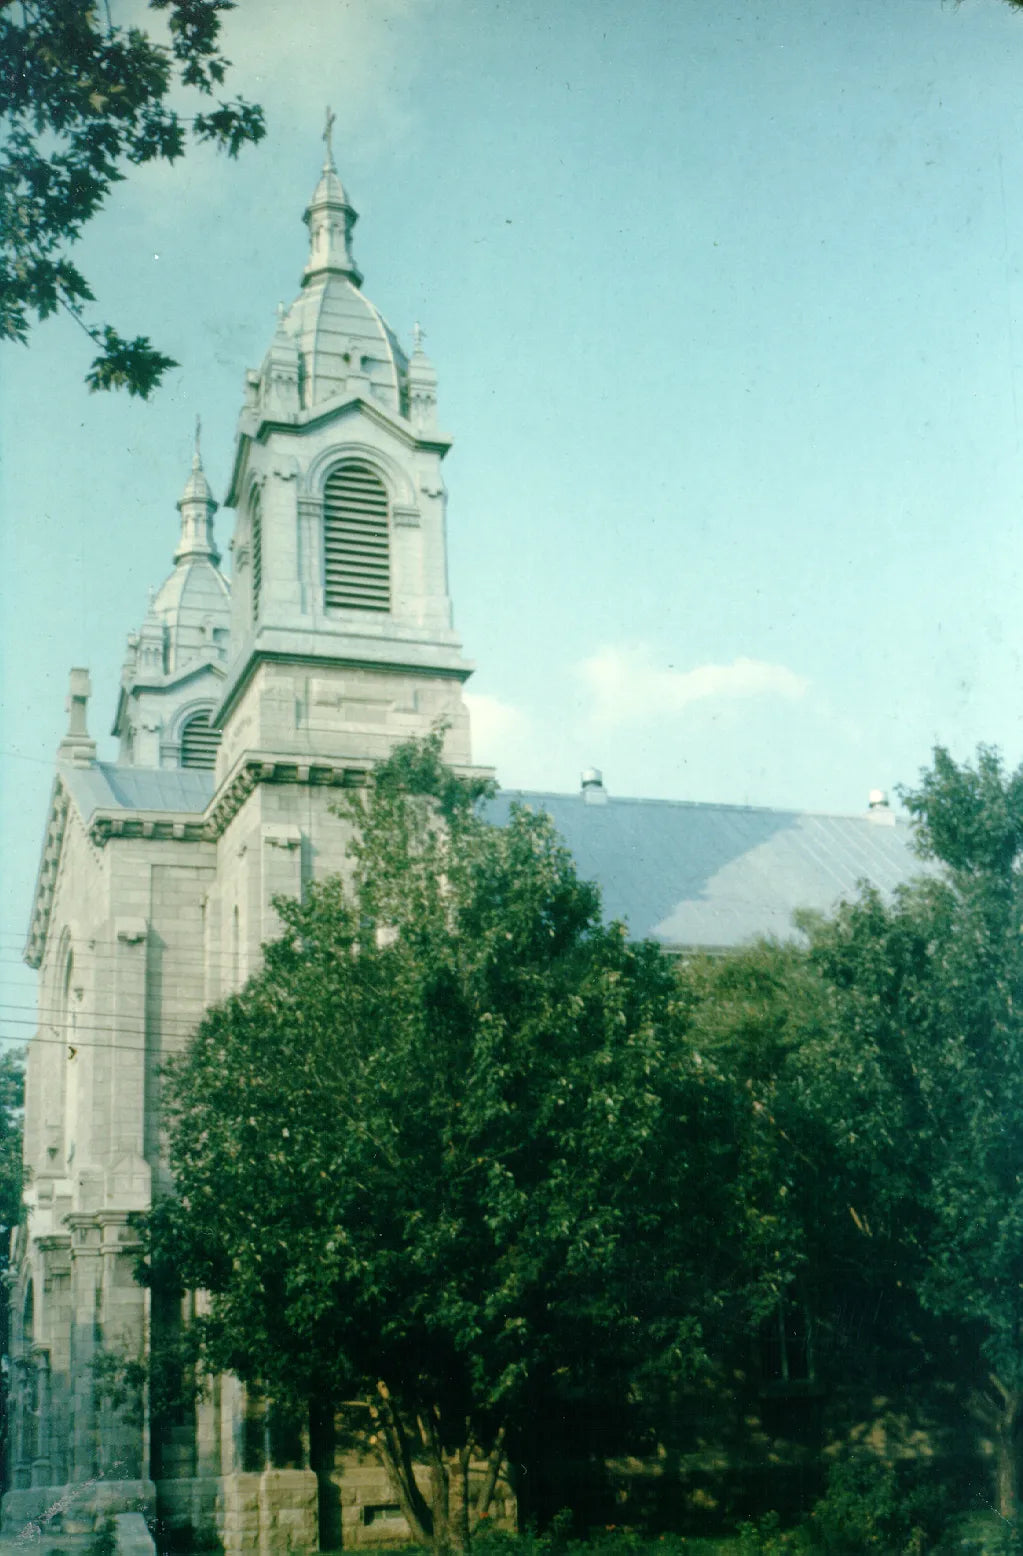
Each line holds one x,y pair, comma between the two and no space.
727,310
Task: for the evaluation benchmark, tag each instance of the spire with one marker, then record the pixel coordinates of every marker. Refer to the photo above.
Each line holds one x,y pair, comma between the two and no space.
197,508
330,219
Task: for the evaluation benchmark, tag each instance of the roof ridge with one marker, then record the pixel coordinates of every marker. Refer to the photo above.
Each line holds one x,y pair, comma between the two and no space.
639,799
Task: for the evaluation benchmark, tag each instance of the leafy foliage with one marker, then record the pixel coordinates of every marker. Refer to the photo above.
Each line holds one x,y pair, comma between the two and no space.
12,1097
445,1150
870,1508
747,1015
919,1076
82,100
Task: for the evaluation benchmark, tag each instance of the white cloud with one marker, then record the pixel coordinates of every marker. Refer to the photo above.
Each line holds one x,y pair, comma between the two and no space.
358,55
627,686
501,733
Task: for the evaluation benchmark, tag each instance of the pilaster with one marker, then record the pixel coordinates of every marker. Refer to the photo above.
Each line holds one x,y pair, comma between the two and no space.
126,1096
86,1306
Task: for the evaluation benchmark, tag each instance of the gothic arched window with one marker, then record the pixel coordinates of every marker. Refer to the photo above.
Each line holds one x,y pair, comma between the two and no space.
356,548
199,742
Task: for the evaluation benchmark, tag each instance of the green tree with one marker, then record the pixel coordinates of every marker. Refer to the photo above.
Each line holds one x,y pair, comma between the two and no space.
747,1015
12,1096
830,1287
445,1150
81,100
919,1077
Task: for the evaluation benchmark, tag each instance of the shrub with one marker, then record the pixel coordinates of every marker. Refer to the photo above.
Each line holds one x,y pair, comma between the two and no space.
869,1509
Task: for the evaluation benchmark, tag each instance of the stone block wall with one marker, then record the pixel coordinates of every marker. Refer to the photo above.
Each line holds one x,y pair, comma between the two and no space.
272,1514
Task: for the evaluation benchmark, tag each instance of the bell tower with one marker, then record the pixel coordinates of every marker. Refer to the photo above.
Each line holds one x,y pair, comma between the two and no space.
342,641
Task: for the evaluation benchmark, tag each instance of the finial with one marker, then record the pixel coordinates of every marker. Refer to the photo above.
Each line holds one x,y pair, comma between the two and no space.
328,137
418,336
330,218
197,456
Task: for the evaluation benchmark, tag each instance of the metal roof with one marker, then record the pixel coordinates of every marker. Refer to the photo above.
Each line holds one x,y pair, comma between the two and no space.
107,786
715,876
682,873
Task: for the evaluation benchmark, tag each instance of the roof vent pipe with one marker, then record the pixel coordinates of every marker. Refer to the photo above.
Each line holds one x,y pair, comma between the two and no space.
592,786
878,808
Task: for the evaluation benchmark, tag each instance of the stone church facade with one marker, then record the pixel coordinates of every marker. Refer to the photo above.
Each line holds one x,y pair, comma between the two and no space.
243,708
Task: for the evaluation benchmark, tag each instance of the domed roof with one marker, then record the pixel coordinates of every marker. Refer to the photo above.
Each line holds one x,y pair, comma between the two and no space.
189,616
194,604
341,336
343,344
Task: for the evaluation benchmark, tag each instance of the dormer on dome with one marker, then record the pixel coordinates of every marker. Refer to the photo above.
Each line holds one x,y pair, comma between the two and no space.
175,664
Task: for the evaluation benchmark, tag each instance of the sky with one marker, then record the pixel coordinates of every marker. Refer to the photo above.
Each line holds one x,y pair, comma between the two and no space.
726,303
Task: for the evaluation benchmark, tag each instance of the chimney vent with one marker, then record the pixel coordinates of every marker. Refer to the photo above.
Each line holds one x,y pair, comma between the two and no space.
592,786
878,808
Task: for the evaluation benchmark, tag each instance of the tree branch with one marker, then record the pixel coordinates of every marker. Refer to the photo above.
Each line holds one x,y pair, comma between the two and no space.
485,1496
397,1460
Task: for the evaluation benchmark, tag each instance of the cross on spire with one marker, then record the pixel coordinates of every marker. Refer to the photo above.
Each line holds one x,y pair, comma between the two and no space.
198,440
328,136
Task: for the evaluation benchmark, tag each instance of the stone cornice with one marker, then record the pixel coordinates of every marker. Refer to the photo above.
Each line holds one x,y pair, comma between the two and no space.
46,880
260,427
53,1242
163,826
254,770
166,827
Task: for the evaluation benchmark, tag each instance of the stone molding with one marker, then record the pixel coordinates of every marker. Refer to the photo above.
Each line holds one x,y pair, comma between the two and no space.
47,878
226,803
256,770
256,427
143,824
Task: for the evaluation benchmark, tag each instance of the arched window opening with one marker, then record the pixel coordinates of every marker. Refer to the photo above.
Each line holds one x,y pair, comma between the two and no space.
257,556
199,742
356,560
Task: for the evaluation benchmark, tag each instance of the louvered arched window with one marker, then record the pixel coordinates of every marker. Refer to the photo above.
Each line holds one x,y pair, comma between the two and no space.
356,559
257,556
199,742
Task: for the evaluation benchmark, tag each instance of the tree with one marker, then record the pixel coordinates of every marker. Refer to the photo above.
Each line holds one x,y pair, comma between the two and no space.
444,1150
12,1097
919,1077
80,101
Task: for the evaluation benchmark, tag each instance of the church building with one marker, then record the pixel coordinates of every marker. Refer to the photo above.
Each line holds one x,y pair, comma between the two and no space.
244,706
